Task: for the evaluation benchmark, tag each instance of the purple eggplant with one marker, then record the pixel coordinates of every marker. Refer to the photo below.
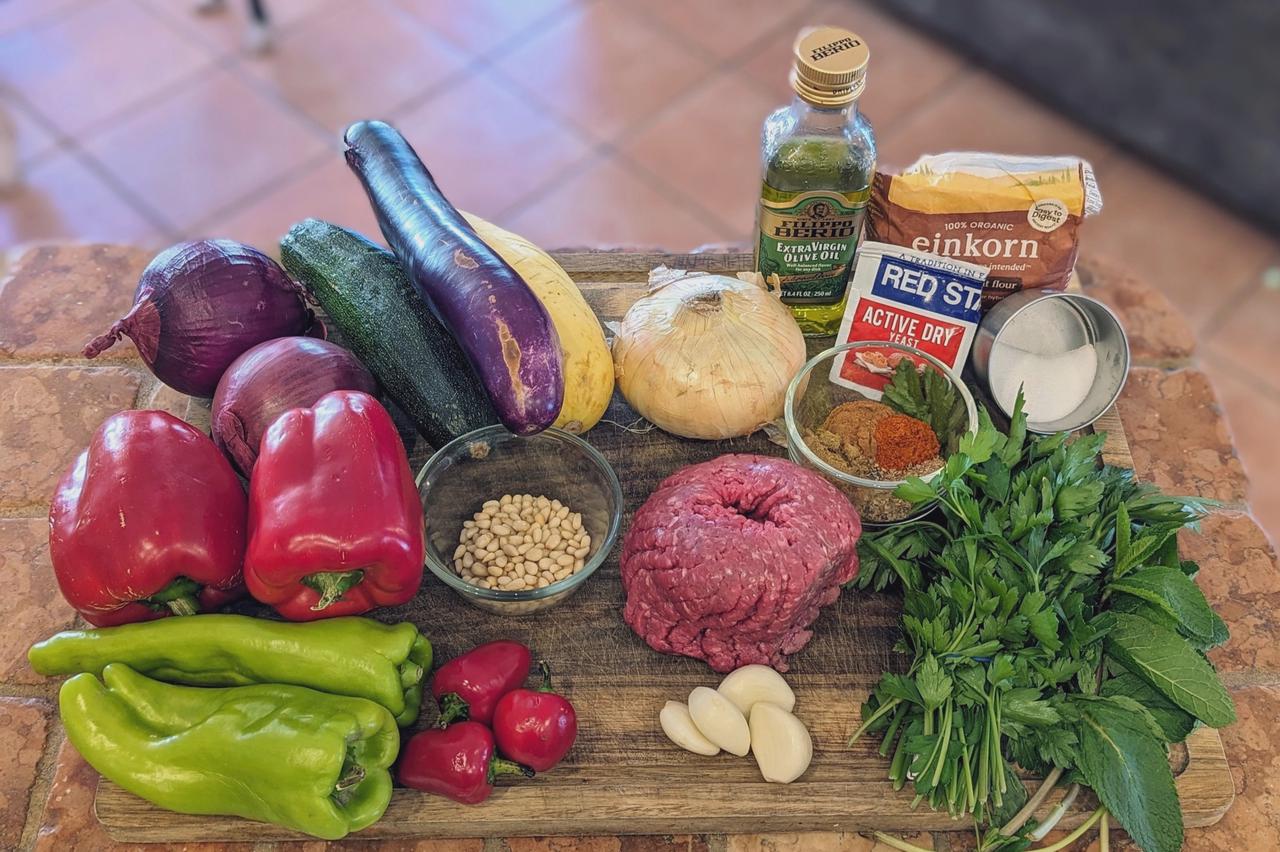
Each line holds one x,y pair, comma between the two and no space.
497,319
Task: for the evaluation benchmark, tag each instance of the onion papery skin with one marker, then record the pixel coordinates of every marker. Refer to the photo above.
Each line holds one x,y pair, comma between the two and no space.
200,305
272,378
708,356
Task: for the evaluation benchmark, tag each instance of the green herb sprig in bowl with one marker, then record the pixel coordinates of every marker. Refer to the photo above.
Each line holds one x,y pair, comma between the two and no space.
1052,626
931,397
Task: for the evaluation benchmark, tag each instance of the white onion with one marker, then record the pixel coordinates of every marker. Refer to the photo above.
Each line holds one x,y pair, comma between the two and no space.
707,356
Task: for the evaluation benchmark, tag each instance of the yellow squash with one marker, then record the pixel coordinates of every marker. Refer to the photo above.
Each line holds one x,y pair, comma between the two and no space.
588,366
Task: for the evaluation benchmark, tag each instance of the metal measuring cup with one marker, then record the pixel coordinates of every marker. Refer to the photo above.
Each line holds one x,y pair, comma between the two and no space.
1083,320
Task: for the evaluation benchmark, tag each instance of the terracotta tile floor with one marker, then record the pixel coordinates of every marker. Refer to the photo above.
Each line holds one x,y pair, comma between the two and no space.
579,122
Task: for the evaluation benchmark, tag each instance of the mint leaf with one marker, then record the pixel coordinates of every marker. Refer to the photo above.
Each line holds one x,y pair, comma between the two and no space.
1175,723
1178,595
1125,763
1164,659
1143,547
1121,602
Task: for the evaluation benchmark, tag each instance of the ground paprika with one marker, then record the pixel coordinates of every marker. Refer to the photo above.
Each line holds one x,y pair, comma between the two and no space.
903,441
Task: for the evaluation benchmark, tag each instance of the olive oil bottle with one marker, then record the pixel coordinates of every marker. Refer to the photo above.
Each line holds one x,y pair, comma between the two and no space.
819,156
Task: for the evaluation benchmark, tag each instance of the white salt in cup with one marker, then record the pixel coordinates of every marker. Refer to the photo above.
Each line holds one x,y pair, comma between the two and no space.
1045,342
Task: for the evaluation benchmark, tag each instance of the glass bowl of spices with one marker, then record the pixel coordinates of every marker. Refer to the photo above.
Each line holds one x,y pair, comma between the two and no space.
517,524
867,441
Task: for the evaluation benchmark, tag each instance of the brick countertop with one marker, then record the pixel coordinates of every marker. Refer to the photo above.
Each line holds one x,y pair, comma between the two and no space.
55,298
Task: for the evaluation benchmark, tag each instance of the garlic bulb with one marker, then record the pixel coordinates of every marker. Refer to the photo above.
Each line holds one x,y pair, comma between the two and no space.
707,356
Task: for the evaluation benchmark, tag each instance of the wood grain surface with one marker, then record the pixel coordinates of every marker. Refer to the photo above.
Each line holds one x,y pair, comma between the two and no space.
623,776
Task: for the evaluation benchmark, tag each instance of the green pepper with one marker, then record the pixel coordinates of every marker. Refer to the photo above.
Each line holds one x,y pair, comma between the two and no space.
352,656
306,760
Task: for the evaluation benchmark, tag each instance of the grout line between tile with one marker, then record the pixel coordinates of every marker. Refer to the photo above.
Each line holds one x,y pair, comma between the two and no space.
286,178
1235,301
43,786
222,52
677,192
1252,677
610,147
562,175
1269,389
73,145
537,25
132,109
47,19
44,691
480,61
235,64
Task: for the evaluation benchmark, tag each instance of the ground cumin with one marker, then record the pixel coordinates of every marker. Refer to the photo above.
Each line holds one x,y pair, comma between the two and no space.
901,442
855,423
849,440
854,438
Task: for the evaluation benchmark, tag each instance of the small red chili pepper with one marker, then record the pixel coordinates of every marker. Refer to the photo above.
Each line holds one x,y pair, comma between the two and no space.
535,727
469,686
457,762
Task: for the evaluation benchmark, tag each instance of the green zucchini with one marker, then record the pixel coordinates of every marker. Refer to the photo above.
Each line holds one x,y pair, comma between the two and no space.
387,325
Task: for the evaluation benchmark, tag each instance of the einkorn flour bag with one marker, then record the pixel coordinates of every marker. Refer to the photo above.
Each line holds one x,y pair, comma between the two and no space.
1018,216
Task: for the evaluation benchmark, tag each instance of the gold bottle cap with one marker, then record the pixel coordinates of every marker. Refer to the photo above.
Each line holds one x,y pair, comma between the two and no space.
830,66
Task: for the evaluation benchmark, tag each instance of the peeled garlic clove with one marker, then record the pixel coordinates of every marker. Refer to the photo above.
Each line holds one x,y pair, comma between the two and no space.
749,684
678,725
780,742
719,721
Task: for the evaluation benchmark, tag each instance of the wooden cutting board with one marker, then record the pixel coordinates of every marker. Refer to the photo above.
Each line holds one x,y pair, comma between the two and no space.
623,776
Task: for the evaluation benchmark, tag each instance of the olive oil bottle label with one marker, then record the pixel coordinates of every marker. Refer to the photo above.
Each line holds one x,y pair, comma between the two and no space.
808,240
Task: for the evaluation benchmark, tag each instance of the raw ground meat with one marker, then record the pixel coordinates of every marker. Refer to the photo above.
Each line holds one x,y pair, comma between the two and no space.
730,560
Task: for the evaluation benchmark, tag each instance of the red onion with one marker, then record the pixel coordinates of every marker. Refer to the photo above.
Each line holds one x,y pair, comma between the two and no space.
200,305
270,379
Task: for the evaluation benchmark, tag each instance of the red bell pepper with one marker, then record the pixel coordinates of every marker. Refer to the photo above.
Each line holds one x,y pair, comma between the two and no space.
457,762
335,525
149,521
535,727
469,686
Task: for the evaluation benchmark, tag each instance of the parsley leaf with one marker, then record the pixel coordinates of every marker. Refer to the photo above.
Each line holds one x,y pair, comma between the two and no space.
928,396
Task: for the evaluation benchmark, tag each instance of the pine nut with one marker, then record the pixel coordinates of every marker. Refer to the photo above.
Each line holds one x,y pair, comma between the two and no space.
519,542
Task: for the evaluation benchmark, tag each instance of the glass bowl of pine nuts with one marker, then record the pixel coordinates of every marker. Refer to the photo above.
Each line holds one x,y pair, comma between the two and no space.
516,524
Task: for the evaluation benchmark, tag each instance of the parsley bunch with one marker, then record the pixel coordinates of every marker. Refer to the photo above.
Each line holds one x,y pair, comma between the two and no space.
1051,626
